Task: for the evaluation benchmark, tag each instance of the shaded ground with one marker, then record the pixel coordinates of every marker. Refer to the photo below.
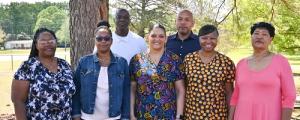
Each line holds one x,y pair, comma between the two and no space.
7,117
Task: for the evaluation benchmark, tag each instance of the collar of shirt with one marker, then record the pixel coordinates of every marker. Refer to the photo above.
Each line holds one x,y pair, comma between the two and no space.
112,57
192,36
119,38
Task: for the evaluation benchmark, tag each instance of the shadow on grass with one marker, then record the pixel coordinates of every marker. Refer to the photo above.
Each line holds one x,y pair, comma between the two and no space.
294,58
295,63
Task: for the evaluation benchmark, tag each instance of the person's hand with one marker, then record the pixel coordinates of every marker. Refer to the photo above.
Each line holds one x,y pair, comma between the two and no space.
132,117
76,118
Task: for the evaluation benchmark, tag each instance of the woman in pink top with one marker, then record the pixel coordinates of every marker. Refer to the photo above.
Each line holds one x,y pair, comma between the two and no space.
264,88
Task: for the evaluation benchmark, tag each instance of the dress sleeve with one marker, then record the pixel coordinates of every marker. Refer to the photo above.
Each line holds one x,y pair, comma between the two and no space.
231,72
132,68
24,72
179,69
185,65
288,90
236,91
235,95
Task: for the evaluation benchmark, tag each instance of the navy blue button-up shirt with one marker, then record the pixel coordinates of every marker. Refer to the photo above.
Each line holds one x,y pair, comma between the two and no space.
183,47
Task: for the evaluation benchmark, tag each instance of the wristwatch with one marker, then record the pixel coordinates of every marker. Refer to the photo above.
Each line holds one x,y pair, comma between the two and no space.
179,116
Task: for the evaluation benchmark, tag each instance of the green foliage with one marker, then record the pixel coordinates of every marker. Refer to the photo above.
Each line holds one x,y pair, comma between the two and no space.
285,19
18,17
63,33
51,17
146,12
287,24
43,22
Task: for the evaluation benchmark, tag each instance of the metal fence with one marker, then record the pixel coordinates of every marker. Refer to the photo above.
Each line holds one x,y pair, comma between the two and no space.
9,63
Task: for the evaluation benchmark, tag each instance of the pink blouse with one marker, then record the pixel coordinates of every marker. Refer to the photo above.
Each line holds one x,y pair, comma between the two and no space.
261,95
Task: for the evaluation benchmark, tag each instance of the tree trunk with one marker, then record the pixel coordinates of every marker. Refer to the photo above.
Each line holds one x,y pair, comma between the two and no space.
84,16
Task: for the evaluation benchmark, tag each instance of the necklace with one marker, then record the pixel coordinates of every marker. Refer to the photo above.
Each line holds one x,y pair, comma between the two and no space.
104,59
206,59
260,58
104,62
51,66
259,62
154,59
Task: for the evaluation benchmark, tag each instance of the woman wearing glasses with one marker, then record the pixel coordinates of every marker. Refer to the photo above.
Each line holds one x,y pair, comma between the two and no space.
102,83
43,86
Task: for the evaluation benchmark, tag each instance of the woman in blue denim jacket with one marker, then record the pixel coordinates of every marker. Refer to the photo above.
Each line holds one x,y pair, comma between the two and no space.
102,83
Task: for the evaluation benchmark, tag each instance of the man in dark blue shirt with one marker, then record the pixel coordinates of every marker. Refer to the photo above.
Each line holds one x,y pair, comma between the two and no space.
184,41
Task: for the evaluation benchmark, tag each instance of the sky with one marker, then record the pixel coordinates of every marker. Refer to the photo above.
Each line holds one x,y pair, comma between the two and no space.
30,1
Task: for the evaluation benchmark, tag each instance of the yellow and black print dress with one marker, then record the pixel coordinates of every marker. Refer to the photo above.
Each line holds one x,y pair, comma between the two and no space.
205,92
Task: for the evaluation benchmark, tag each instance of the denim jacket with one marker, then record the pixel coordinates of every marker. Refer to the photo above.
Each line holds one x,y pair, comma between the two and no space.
86,78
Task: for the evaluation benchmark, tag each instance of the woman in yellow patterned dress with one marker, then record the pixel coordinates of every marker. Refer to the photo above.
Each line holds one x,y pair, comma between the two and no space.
210,77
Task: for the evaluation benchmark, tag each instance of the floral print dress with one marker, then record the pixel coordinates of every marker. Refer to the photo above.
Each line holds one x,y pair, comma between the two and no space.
156,94
49,96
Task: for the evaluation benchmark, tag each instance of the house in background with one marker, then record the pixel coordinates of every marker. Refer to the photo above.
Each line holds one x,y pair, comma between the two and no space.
18,44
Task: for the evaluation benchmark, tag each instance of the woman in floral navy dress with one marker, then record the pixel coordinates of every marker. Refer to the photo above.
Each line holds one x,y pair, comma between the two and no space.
157,87
43,85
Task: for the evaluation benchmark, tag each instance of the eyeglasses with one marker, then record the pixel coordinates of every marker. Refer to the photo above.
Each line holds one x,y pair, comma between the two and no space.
44,42
105,38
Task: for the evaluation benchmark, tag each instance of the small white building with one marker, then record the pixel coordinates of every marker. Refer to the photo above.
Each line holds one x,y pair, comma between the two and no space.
18,44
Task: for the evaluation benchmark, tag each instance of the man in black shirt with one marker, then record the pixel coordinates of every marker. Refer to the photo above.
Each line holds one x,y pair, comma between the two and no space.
184,41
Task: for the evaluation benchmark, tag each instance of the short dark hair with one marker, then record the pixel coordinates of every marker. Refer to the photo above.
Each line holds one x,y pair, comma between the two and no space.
104,27
103,23
264,25
34,51
121,10
206,29
157,26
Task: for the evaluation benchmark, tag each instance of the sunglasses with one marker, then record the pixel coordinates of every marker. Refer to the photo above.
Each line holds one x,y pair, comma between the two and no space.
105,38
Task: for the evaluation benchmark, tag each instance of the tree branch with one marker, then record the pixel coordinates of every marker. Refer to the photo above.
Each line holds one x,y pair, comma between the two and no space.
127,3
272,10
287,5
234,7
219,10
225,16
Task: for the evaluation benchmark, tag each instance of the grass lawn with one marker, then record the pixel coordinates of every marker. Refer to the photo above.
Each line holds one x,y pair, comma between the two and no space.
9,66
5,85
237,55
10,60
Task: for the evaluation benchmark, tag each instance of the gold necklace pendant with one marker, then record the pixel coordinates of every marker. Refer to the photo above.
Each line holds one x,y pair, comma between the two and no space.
104,62
154,59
